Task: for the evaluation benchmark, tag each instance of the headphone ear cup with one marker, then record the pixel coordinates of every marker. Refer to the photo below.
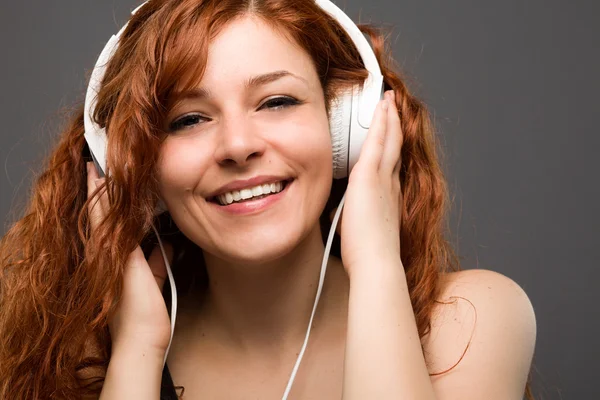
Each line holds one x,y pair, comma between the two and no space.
340,114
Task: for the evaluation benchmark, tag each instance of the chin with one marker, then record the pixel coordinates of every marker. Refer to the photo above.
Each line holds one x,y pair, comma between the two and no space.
260,249
262,246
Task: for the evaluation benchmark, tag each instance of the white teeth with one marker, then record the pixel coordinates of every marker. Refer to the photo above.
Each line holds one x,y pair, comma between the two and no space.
244,194
257,191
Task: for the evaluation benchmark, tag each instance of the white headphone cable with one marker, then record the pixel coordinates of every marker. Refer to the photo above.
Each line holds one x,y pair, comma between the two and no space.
319,289
314,309
173,293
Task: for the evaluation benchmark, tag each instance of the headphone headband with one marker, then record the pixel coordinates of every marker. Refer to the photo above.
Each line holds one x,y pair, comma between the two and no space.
371,92
367,100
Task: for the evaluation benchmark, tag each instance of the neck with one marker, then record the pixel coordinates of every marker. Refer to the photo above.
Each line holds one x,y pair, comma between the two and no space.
268,306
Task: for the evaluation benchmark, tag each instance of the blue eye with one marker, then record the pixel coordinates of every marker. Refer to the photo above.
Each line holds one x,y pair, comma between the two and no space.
186,121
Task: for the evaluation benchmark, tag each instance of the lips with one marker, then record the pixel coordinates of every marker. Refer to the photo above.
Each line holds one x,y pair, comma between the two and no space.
254,207
213,199
247,183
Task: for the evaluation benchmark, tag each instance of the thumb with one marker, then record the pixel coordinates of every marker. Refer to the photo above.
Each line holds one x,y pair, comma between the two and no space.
157,263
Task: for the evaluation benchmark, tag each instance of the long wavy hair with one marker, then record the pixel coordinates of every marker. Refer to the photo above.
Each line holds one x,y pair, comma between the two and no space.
57,287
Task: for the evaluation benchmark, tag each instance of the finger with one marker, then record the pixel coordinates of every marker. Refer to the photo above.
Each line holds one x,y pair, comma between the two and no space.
95,210
393,141
157,263
372,150
100,184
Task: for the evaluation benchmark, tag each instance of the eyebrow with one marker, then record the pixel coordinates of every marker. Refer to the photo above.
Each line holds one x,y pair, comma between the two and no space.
251,83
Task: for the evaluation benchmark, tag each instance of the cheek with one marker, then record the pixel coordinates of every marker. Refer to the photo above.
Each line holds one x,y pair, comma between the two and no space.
310,148
315,154
309,141
179,166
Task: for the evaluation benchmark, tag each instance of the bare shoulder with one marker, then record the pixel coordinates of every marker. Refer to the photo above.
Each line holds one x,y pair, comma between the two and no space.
484,285
482,337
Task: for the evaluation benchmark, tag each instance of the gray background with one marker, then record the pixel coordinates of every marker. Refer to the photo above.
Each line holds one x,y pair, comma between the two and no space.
513,87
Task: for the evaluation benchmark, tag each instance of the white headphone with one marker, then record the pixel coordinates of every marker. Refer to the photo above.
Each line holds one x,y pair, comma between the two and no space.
350,119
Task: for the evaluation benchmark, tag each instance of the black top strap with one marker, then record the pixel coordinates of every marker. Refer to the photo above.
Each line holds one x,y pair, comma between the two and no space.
167,388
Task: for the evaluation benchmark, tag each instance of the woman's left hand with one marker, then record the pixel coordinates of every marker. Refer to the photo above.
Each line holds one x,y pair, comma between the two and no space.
370,220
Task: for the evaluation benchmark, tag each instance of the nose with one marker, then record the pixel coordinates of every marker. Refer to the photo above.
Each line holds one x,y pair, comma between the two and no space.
238,142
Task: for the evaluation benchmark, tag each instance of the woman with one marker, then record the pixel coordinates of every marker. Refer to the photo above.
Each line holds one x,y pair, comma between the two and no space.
203,93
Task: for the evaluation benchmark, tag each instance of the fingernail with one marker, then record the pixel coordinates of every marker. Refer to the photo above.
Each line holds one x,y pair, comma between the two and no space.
88,165
98,182
385,104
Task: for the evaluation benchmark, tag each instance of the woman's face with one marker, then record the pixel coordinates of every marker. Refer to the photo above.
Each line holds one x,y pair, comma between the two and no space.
259,111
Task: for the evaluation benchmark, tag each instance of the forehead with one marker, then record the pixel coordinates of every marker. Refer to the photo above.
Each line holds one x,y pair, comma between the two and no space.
247,47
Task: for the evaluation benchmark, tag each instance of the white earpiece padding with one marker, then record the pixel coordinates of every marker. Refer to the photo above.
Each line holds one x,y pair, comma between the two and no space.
339,126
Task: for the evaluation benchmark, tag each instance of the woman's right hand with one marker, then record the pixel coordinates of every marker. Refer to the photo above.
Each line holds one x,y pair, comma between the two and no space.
141,319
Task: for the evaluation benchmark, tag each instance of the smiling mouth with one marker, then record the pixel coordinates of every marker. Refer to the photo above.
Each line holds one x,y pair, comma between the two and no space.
214,199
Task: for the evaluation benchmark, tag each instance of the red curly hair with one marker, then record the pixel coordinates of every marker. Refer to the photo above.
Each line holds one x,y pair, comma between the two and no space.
57,289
